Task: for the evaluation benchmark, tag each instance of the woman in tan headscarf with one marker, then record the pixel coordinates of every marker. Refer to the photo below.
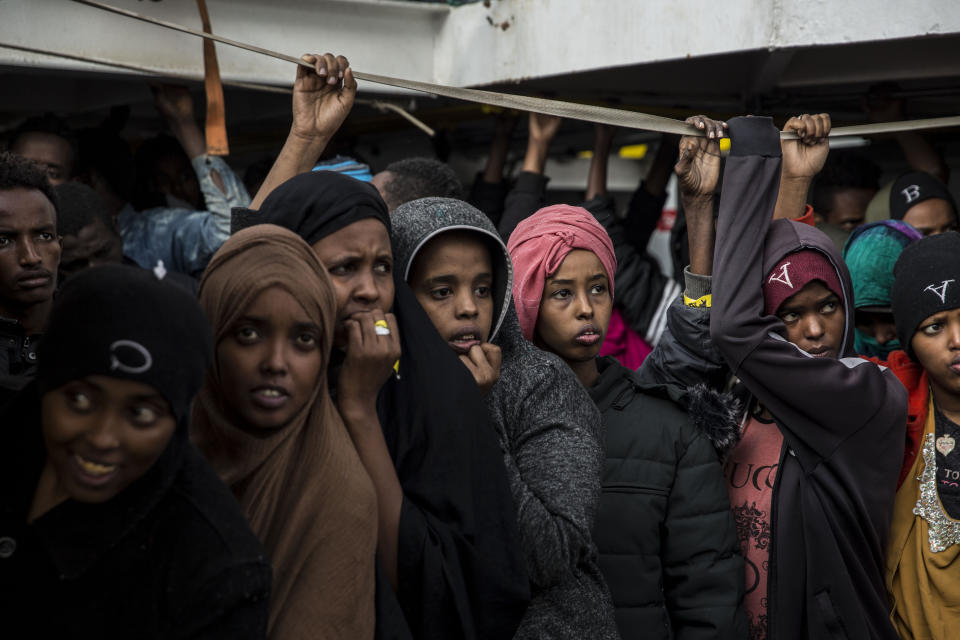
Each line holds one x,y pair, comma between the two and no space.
265,421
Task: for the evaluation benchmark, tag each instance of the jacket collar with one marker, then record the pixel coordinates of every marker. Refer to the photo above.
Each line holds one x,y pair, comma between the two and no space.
615,387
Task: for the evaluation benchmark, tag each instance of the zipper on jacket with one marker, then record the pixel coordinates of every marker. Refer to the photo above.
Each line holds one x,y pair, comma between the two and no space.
772,577
635,488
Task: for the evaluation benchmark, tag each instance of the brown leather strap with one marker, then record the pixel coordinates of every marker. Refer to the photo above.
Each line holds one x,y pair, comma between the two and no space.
216,123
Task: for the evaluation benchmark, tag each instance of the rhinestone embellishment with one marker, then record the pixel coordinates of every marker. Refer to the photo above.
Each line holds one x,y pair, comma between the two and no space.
943,531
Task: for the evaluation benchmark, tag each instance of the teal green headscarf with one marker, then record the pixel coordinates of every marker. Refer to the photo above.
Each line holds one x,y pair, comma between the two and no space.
870,253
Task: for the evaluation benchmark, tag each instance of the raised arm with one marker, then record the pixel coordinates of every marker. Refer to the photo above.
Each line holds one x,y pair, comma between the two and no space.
322,99
176,107
802,161
698,176
919,153
848,392
685,355
646,203
489,189
602,143
220,187
527,193
644,291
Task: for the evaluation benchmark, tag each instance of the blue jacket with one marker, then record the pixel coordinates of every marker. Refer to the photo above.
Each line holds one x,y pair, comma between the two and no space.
184,240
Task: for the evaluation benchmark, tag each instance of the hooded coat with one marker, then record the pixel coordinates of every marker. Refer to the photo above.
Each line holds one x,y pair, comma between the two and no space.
842,419
552,441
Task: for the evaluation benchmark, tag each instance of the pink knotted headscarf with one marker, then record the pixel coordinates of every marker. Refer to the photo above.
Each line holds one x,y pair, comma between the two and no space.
538,246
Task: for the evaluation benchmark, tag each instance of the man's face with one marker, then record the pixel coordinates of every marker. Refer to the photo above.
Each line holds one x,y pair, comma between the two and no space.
49,150
815,320
849,208
29,249
931,217
175,177
452,278
937,346
94,244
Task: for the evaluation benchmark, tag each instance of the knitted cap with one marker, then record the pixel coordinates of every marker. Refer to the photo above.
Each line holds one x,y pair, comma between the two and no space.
794,272
913,188
926,281
122,322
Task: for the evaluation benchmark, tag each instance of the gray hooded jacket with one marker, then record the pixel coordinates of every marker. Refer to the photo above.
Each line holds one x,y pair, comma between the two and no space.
551,435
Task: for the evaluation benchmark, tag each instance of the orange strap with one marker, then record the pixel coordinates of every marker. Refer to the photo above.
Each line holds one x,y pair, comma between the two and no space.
216,125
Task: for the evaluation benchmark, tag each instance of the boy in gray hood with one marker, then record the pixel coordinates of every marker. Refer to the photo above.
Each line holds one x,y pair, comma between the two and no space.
548,428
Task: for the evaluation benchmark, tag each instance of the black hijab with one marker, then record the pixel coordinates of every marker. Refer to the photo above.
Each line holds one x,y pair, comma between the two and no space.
461,572
314,205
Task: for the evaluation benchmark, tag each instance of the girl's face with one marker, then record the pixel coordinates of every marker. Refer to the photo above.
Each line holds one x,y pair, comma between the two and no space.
359,259
103,433
452,278
937,345
575,308
269,361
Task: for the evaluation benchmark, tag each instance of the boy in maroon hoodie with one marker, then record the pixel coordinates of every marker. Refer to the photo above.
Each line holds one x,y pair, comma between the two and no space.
812,480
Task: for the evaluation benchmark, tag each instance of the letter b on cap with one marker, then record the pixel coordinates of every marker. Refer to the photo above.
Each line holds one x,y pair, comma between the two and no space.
911,193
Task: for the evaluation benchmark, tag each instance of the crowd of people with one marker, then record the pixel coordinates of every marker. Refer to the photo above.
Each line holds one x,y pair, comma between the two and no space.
378,405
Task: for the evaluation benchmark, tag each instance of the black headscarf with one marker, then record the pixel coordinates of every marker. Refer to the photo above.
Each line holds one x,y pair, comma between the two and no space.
123,322
460,567
314,205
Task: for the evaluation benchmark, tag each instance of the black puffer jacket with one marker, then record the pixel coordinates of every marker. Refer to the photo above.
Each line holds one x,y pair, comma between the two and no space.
667,540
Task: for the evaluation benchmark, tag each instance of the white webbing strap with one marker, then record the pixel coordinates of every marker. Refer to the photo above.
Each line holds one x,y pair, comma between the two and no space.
572,110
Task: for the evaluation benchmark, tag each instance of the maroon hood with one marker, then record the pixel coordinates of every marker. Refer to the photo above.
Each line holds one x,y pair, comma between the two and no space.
786,237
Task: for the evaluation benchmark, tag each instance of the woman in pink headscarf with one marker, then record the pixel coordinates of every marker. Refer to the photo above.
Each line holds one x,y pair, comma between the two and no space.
661,476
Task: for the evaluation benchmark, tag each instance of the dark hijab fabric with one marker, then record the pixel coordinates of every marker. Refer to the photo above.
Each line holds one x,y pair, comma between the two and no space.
314,205
460,566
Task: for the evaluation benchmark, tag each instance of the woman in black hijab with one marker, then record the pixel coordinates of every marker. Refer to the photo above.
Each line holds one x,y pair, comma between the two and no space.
448,541
111,524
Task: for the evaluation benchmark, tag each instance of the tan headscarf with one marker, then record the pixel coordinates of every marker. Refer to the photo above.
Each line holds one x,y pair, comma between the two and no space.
303,487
